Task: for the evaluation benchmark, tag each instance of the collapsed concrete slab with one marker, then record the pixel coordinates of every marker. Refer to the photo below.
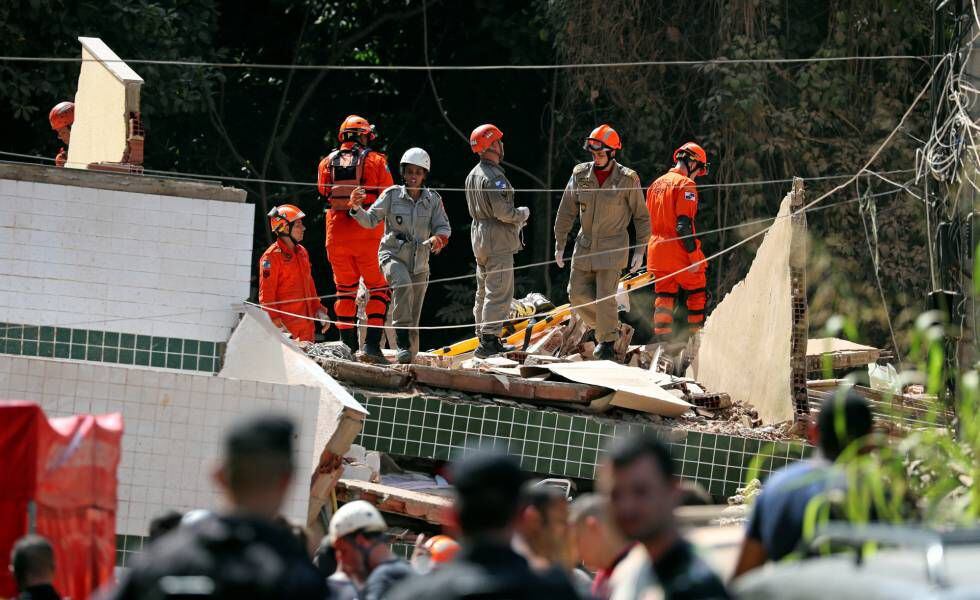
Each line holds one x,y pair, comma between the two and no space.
258,351
749,347
107,129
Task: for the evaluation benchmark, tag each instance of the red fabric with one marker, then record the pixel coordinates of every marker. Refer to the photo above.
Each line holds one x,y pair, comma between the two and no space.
602,175
669,197
284,274
351,264
67,468
341,228
663,313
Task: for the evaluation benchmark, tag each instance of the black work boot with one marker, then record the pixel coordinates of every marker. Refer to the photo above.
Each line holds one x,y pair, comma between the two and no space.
349,338
490,345
404,342
604,351
371,352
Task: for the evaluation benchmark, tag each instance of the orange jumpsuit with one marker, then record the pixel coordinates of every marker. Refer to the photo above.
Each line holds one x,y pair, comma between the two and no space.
286,284
669,197
353,250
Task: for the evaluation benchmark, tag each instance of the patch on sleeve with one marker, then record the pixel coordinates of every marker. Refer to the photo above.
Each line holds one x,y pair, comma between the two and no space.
500,184
266,268
690,196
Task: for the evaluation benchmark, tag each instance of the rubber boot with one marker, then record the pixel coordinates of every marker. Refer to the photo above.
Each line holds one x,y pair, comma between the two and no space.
604,351
371,352
349,338
490,345
404,343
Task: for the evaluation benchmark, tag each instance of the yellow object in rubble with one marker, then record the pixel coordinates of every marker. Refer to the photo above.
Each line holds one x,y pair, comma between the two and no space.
514,333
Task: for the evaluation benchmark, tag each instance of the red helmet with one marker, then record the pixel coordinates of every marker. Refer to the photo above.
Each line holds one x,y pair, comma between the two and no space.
282,217
603,135
695,152
483,136
356,125
62,115
442,548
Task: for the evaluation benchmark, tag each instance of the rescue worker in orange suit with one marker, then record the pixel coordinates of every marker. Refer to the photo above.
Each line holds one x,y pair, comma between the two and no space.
61,118
286,288
356,174
673,204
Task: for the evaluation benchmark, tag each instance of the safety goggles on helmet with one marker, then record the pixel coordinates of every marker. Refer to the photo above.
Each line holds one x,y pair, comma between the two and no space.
595,146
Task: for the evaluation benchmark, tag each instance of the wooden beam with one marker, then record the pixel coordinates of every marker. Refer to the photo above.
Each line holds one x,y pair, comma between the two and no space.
388,378
512,387
431,508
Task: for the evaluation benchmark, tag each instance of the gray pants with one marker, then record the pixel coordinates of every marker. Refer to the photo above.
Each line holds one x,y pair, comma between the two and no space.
586,286
494,292
407,295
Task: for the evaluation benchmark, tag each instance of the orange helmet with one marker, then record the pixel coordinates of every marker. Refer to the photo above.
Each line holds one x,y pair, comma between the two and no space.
483,136
357,126
695,152
62,115
442,548
281,218
603,136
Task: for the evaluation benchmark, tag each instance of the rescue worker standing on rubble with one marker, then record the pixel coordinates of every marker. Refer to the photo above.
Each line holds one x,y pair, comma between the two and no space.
61,117
495,235
355,174
606,197
673,204
415,223
286,288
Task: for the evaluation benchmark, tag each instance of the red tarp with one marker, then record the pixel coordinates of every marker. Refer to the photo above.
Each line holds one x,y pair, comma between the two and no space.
64,472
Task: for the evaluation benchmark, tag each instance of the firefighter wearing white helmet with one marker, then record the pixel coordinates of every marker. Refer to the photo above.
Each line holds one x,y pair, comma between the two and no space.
416,225
357,533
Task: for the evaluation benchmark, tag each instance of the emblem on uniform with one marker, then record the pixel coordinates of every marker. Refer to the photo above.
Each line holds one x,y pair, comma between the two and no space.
398,219
266,268
690,196
501,184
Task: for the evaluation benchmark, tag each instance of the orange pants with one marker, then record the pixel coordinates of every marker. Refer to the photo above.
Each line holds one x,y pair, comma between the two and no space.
352,262
666,292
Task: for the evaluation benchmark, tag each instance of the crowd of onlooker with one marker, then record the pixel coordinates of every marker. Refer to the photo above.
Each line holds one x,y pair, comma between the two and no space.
511,537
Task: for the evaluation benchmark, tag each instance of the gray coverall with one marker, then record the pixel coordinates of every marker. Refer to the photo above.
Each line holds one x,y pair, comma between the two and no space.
495,236
604,214
403,258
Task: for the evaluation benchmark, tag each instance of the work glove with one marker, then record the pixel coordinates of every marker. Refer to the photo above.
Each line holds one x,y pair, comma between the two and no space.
357,196
436,243
637,263
525,213
325,317
560,258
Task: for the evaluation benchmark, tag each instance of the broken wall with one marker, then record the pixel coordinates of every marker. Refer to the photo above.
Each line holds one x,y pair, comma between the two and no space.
747,345
108,94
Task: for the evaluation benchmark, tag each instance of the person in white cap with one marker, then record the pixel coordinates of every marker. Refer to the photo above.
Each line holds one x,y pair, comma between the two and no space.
357,533
415,225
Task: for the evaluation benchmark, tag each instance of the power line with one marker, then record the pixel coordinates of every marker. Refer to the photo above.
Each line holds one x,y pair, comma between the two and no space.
537,67
701,186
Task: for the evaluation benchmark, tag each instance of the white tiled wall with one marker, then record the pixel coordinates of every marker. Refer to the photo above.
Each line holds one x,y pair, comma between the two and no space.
173,427
121,261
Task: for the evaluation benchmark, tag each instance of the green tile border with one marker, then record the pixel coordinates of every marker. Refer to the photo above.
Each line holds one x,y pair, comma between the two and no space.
111,347
127,548
554,443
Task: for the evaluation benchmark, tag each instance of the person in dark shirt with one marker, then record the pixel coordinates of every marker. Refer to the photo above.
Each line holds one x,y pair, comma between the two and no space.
242,553
486,567
32,561
775,526
644,491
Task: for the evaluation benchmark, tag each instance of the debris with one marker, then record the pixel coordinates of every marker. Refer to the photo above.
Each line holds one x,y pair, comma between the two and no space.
711,401
549,344
622,344
838,354
634,388
431,508
747,494
330,350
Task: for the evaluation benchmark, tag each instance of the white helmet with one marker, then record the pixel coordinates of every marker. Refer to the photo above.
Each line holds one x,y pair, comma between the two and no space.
417,157
355,516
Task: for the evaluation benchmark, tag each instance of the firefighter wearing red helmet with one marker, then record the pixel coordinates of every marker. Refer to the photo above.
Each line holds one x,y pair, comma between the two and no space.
61,117
673,204
286,288
495,235
605,197
355,174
